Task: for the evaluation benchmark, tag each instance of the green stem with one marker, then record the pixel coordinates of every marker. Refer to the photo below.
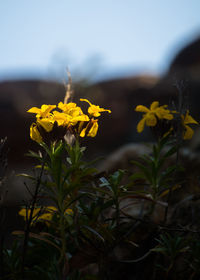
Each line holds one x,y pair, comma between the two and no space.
63,258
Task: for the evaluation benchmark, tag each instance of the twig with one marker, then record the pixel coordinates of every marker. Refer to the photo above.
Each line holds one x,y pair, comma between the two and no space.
68,87
30,218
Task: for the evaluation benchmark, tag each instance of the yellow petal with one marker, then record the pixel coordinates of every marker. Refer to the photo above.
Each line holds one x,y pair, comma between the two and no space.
162,113
23,212
189,119
82,99
51,209
34,133
66,107
151,119
82,118
45,217
43,112
34,110
62,119
71,109
93,111
75,112
141,108
93,130
82,134
140,125
188,133
46,123
154,105
168,116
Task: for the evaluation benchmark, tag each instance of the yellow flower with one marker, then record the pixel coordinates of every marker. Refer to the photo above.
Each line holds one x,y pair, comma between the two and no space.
151,115
187,119
94,110
42,112
91,129
45,215
34,133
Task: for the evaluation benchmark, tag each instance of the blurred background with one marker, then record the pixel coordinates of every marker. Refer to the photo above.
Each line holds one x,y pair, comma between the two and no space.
95,39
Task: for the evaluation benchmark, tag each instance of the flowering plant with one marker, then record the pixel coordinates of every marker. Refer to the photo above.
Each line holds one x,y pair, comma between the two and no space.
82,224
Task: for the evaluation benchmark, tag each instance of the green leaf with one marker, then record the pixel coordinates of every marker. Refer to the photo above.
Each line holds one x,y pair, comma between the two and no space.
145,171
34,155
170,152
136,176
27,176
116,178
94,232
104,182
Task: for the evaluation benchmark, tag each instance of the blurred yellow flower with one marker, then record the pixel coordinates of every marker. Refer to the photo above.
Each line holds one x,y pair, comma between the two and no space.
187,119
151,115
69,212
25,213
42,112
94,110
42,214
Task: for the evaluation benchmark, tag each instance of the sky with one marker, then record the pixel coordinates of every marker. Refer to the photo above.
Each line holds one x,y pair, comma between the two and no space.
100,39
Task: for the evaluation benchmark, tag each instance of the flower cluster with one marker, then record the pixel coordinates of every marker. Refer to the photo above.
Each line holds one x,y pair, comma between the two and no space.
156,113
69,118
42,214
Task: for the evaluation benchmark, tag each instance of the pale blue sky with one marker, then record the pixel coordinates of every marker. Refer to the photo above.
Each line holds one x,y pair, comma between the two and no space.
43,37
